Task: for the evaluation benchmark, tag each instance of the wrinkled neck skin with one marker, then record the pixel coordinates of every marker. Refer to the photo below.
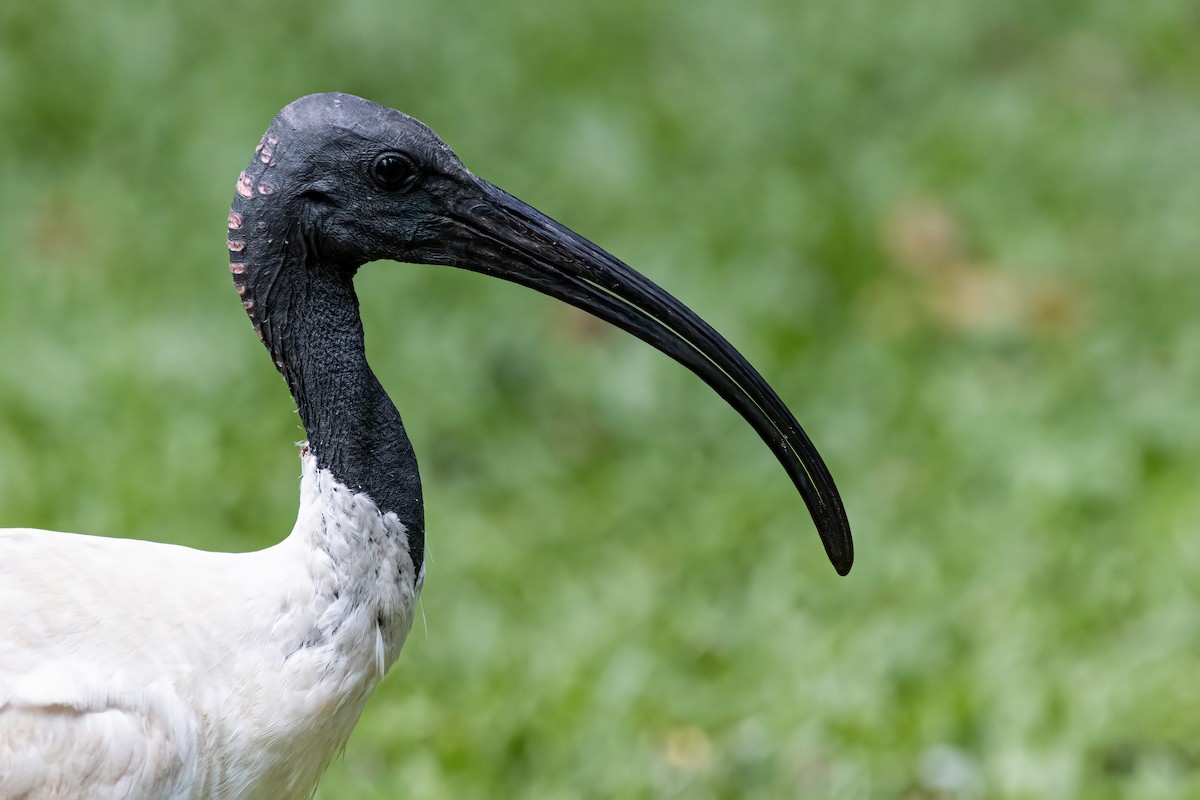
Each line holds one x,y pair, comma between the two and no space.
305,311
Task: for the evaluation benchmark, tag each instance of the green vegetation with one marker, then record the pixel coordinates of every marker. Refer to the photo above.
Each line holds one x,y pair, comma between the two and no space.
959,238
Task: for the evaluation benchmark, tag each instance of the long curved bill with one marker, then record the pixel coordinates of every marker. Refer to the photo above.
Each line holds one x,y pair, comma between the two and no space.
494,233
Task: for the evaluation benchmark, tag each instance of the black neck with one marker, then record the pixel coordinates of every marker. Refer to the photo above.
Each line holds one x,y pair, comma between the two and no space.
354,430
307,315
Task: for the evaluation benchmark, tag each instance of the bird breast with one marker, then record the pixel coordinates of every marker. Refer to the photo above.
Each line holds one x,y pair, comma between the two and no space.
177,673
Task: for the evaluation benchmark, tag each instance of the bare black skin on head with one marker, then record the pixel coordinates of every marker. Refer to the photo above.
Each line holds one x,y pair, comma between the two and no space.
320,206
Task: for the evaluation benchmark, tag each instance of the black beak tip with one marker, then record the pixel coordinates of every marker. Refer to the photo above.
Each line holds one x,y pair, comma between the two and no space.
839,546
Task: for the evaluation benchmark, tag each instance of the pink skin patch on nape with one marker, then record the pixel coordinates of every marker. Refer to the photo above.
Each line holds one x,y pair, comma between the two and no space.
265,155
236,247
243,185
235,220
264,188
248,305
237,268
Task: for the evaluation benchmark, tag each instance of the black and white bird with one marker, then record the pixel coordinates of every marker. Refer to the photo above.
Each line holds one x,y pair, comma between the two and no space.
131,669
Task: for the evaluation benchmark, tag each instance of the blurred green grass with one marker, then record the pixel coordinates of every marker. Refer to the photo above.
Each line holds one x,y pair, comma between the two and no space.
958,238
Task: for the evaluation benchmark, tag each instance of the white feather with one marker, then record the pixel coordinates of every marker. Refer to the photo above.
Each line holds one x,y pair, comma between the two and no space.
130,669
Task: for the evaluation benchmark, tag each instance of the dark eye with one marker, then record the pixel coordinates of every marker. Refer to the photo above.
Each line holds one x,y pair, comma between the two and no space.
393,171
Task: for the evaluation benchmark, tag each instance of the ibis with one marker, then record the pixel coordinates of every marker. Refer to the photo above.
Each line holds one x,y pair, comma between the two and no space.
132,669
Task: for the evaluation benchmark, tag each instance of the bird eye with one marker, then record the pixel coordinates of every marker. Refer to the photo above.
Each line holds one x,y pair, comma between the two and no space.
393,171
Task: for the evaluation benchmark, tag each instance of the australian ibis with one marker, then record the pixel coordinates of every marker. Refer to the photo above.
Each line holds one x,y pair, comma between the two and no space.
130,669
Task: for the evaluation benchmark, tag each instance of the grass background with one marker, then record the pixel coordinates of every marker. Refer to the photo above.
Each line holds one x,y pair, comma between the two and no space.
958,238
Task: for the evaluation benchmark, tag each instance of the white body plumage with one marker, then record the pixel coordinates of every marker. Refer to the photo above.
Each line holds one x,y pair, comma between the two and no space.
130,669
